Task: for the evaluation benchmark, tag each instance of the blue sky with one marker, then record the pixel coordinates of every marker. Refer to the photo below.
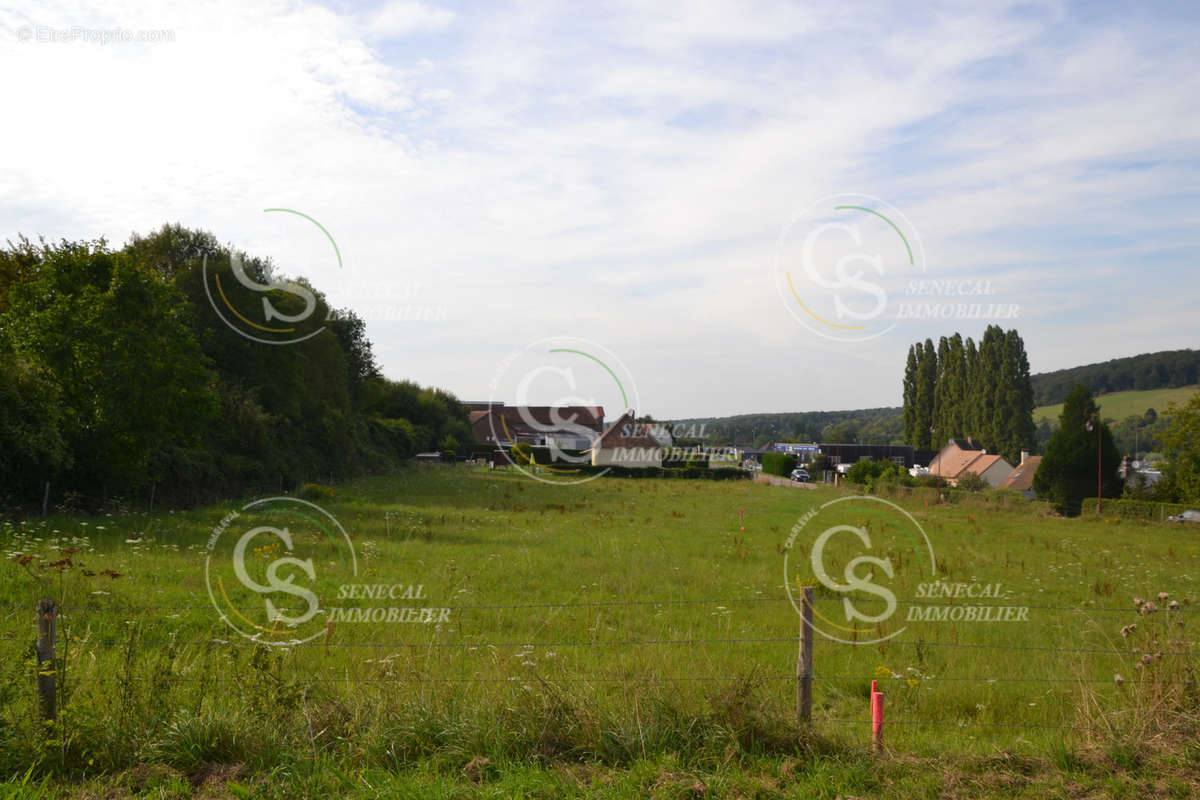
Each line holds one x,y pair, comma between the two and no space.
623,173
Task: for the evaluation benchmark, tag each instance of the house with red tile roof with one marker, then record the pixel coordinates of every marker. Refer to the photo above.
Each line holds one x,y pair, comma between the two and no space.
567,427
957,459
992,468
628,443
1021,477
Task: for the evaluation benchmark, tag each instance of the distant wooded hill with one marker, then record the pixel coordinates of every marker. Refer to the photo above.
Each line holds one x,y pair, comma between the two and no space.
1163,370
1169,369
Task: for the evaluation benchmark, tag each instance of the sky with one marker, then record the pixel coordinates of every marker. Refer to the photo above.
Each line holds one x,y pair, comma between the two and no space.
641,178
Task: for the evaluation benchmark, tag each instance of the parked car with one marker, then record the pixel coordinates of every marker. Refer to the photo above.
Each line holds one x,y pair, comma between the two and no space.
800,475
1187,516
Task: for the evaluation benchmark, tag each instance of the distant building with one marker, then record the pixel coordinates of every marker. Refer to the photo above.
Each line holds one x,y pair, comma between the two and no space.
628,443
957,459
804,453
568,427
1139,474
992,468
902,454
1021,477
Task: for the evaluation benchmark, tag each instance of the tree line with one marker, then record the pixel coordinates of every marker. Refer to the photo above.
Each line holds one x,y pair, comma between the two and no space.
865,425
118,379
959,389
1168,369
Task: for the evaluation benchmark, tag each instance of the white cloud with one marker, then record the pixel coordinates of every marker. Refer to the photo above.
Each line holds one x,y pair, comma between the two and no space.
401,18
623,175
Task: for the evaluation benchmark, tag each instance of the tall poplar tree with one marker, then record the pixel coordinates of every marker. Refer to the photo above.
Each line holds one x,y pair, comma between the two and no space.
1013,401
954,373
943,403
959,390
985,380
967,411
926,385
910,397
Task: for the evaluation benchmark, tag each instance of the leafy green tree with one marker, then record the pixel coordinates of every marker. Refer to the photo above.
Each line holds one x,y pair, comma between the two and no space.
115,371
1181,446
1068,472
129,375
32,447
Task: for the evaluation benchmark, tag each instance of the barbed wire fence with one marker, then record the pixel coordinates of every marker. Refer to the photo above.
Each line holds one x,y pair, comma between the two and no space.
807,673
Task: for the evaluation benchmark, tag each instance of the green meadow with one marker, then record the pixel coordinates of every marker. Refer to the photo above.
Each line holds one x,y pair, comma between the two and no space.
616,638
1119,405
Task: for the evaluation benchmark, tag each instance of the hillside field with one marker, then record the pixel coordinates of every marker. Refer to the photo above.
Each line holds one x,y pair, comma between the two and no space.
1119,405
618,638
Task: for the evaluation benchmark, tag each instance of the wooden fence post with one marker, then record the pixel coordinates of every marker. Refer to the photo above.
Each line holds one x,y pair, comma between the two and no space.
804,662
47,611
46,499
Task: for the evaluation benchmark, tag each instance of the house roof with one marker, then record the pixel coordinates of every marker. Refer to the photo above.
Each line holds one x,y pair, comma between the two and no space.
982,463
529,420
1021,478
625,432
953,459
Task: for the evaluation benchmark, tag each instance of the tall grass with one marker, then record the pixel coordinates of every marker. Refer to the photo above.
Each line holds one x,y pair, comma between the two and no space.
608,623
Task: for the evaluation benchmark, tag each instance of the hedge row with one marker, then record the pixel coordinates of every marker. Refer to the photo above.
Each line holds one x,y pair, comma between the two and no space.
721,474
1133,509
778,464
543,455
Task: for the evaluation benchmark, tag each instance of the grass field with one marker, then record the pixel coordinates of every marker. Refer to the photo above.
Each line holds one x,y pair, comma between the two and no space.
611,639
1119,405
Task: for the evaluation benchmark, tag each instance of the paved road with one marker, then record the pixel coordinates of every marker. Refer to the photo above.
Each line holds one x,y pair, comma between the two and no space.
775,480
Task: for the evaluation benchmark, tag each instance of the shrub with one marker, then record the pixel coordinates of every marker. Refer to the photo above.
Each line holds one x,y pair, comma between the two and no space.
868,472
522,453
315,492
972,482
